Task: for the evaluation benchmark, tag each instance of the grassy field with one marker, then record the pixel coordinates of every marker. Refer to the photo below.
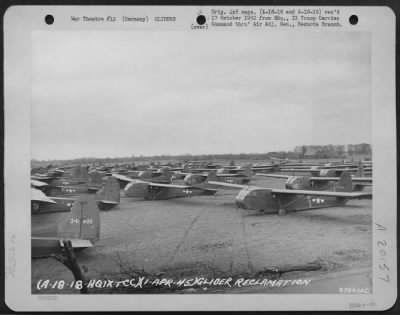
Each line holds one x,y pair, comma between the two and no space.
208,236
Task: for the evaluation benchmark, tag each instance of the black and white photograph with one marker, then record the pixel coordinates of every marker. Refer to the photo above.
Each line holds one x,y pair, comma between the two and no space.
204,152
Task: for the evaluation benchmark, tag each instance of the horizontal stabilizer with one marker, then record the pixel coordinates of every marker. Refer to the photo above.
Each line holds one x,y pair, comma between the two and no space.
325,179
322,193
169,185
63,199
78,243
362,179
37,183
37,195
227,184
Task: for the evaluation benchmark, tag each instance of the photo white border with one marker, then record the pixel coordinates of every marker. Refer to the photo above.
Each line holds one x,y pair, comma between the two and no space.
20,21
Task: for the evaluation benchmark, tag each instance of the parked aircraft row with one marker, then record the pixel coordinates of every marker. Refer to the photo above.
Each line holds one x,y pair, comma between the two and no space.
82,223
157,184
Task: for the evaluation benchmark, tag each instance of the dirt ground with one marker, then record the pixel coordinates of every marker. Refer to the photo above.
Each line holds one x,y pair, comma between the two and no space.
209,236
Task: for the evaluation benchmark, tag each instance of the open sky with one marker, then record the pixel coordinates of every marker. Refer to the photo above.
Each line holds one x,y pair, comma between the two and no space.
110,94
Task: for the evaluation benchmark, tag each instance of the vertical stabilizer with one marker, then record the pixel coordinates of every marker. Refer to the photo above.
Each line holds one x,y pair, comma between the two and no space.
76,171
246,170
360,170
95,178
166,174
84,174
80,172
212,176
109,191
345,183
82,222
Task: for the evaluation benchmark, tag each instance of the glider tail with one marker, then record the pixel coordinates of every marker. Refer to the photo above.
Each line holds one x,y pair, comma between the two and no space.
84,174
185,168
360,171
81,172
82,222
95,178
211,176
247,170
109,191
76,171
166,174
345,183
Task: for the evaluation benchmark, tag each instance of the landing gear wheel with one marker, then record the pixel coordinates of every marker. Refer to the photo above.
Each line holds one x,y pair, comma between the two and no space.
282,212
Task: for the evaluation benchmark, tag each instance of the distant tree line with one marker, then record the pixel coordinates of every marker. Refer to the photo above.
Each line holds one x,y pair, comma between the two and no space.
299,152
331,151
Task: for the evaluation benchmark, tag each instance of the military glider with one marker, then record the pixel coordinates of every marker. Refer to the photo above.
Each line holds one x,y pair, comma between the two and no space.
107,197
239,175
91,184
163,175
271,200
155,191
79,175
81,227
318,182
329,170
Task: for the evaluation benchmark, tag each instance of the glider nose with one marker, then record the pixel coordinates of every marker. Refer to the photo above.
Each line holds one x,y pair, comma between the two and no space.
242,201
241,204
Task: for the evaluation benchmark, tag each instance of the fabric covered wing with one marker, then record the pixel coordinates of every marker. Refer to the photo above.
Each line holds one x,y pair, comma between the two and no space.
350,195
273,175
37,195
122,177
37,183
169,185
227,184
